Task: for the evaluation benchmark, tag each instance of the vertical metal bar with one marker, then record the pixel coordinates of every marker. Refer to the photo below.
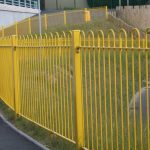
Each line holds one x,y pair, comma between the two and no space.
60,85
63,85
16,75
40,20
147,86
110,91
45,21
29,24
16,28
100,97
87,15
57,81
133,94
105,102
67,99
78,90
121,94
95,99
86,97
65,18
139,78
51,87
147,98
127,93
106,12
70,88
3,31
90,88
115,96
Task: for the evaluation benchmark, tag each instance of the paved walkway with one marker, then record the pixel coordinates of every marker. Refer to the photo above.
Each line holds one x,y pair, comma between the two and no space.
10,140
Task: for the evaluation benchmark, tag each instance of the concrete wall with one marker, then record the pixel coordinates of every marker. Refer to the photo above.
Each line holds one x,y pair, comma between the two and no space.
51,4
136,16
10,14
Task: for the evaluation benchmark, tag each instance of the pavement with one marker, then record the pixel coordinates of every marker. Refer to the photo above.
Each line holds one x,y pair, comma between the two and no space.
11,140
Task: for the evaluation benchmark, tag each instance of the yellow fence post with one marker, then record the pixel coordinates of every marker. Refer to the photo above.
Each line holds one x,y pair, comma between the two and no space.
106,12
45,21
3,31
16,28
15,74
78,91
65,18
87,15
29,24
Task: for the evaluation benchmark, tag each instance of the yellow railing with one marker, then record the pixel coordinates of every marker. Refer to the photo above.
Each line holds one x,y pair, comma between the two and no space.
31,25
81,86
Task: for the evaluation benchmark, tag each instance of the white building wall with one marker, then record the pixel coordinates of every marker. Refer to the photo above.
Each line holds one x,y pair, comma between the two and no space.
10,14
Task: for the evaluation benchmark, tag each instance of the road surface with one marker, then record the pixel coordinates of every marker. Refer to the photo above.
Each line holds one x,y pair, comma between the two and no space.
10,140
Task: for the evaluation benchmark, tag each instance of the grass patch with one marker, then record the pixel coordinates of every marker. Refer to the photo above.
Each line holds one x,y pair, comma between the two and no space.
95,26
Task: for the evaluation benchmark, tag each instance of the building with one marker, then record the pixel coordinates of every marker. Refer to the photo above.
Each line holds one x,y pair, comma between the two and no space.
21,3
65,4
12,11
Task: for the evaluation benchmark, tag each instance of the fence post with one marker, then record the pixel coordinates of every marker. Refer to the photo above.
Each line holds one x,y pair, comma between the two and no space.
29,24
87,15
3,31
79,132
106,12
16,27
15,74
45,21
65,18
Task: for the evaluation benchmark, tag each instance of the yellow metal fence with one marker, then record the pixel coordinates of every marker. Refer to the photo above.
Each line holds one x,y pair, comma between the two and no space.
31,25
80,86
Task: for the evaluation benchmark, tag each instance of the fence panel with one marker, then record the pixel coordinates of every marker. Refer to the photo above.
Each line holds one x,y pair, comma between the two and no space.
112,73
10,30
98,13
75,17
31,25
45,74
56,19
7,72
90,89
24,27
35,25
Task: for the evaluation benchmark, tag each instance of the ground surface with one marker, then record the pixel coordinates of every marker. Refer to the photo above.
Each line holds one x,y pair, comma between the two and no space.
10,140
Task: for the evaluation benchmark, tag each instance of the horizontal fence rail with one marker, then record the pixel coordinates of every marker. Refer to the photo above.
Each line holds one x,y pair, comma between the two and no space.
92,89
31,25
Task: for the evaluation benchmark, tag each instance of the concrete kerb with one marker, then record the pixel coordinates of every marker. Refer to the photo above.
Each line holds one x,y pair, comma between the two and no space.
23,134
